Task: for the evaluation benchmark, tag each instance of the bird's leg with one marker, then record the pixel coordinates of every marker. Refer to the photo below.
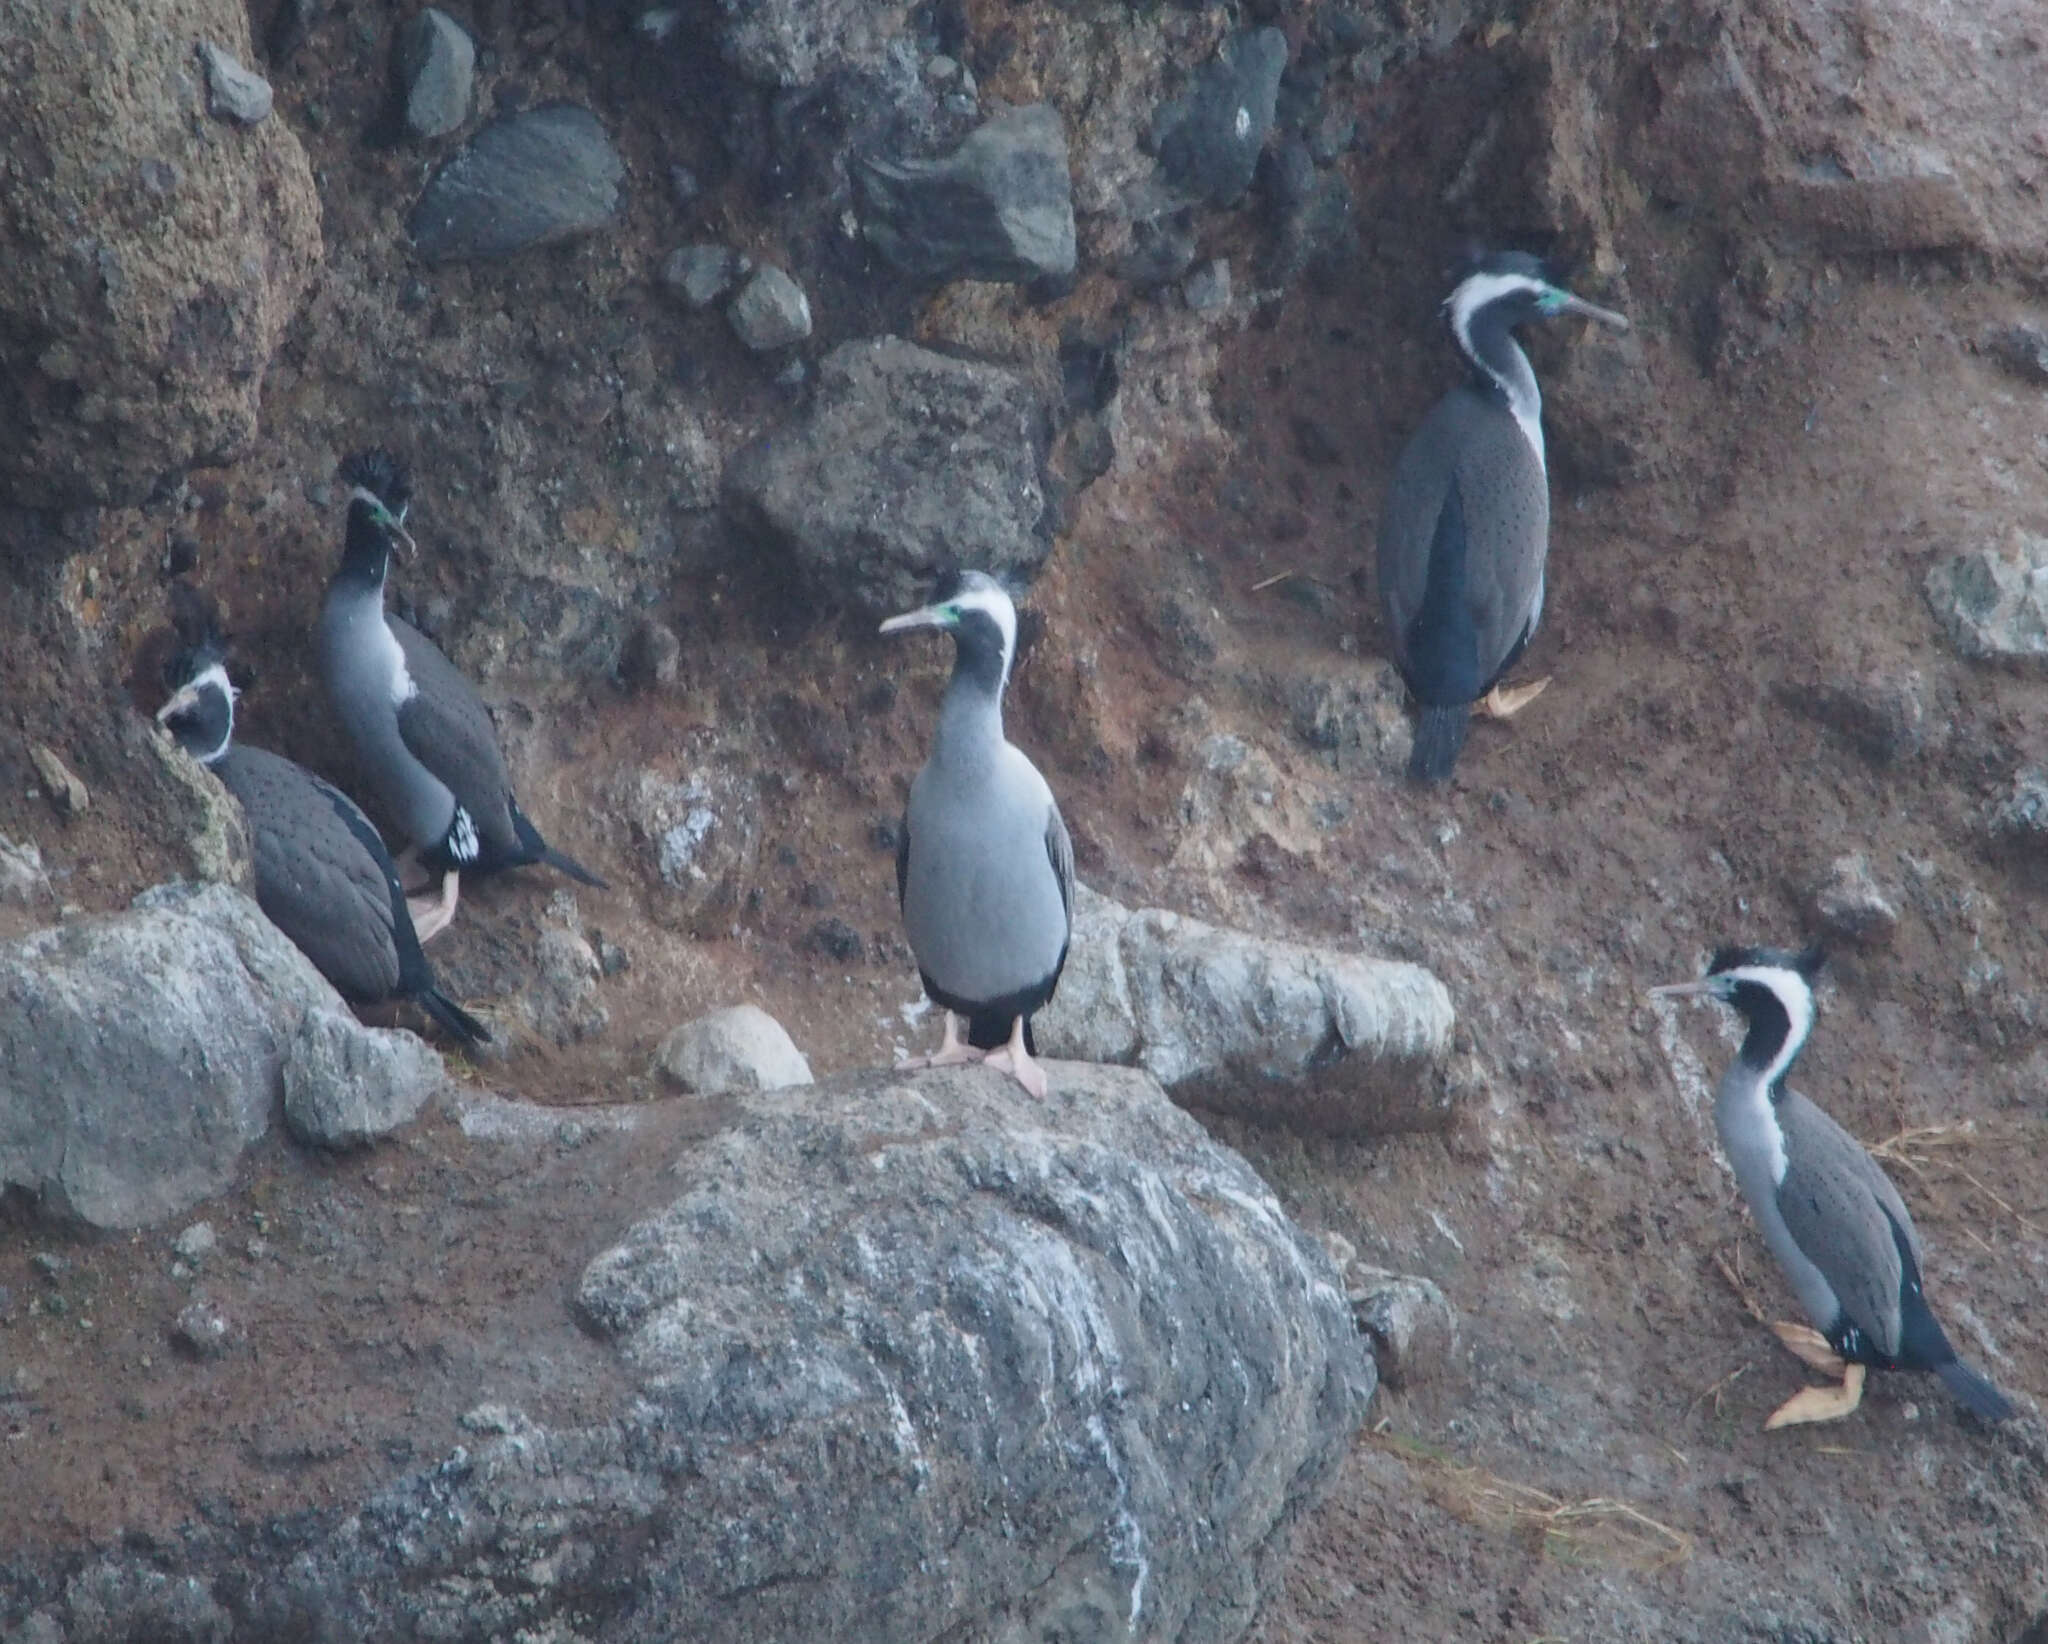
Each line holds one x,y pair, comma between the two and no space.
1504,701
1809,1346
1016,1061
951,1051
430,914
413,874
1820,1403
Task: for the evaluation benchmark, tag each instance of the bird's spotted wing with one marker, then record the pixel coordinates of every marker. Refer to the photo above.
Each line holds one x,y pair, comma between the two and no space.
449,730
1061,849
1506,498
1841,1210
322,876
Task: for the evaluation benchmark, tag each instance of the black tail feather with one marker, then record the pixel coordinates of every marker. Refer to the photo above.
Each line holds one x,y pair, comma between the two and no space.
537,849
453,1017
1439,739
1974,1392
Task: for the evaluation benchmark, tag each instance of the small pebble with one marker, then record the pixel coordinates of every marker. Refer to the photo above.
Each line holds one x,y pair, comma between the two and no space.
196,1243
202,1329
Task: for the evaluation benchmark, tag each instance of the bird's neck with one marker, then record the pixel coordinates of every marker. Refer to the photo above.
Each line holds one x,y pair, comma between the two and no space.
1768,1049
1500,368
365,556
970,722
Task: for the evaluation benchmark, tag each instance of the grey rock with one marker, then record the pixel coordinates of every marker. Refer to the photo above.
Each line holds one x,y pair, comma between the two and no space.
22,876
739,1048
1413,1329
1275,1031
653,657
770,312
899,1325
532,179
1355,721
701,274
1209,139
562,1000
1162,249
2023,813
701,834
2023,350
792,43
1994,606
902,461
1849,902
1207,289
346,1085
999,207
434,62
196,1243
204,817
1882,714
202,1330
66,792
896,1359
233,92
142,1052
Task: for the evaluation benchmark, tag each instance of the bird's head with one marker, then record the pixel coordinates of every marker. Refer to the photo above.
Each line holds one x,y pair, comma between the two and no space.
1771,989
200,712
1508,288
379,495
977,611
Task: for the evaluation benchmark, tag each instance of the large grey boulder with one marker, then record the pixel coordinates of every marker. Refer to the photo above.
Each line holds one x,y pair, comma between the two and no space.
1278,1031
928,1358
903,460
891,1360
999,207
142,1052
155,255
533,179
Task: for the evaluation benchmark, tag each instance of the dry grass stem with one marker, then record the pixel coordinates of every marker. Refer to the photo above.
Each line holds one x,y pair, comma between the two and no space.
1600,1529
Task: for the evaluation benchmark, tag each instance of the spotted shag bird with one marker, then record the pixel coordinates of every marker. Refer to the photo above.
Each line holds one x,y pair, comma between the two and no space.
323,877
1465,528
984,868
425,738
1832,1218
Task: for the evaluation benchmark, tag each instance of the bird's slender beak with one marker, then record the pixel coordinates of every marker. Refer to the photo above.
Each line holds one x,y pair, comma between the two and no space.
931,616
1593,312
184,697
1683,990
394,523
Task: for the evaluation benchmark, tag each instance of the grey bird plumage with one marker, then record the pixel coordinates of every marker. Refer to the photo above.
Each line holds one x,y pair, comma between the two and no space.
1464,530
323,877
1829,1213
425,739
984,866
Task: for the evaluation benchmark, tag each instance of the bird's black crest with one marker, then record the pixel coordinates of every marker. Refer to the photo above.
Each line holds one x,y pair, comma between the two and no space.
378,472
948,582
1807,961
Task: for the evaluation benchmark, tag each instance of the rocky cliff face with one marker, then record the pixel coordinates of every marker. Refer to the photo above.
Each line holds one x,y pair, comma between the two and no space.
704,329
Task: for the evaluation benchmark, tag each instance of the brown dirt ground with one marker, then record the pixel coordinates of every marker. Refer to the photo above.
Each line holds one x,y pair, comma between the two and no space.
1674,788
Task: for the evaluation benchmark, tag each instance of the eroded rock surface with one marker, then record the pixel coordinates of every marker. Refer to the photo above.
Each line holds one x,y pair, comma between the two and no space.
155,254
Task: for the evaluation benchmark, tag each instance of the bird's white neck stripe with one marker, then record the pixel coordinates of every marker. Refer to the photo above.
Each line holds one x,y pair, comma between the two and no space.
1512,373
399,683
1791,991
